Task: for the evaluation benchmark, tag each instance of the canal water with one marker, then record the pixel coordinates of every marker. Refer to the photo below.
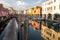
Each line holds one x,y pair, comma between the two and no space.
32,34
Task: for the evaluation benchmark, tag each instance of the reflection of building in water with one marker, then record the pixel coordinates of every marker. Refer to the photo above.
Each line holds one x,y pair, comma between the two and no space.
49,34
51,11
51,30
36,25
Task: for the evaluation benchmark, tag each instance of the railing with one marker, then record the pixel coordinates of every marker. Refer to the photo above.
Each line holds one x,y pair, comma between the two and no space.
10,32
52,24
3,24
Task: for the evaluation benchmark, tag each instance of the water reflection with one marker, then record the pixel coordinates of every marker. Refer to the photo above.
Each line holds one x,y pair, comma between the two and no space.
34,34
49,34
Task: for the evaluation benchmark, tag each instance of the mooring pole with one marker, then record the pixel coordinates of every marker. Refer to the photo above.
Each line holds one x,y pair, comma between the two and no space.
25,34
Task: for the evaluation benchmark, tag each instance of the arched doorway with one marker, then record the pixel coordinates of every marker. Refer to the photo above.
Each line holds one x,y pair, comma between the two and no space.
49,16
57,17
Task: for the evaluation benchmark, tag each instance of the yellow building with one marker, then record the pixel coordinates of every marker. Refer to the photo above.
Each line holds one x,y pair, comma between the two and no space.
35,10
32,11
29,11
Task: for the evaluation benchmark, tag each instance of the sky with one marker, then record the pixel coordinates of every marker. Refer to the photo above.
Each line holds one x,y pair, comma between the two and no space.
21,4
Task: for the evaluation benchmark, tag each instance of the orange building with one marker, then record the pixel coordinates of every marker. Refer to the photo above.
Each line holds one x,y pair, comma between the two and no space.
37,10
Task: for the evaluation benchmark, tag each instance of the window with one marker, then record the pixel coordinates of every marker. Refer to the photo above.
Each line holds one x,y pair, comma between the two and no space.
45,9
57,19
49,24
37,7
49,3
48,31
47,38
54,7
49,16
44,22
53,36
44,35
32,8
59,6
58,38
51,8
35,11
54,0
48,8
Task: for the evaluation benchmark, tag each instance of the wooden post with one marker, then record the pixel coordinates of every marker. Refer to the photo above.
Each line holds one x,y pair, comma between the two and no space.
25,34
19,28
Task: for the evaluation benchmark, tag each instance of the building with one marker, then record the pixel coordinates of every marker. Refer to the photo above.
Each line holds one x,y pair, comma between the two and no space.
51,11
12,11
35,11
29,11
3,11
24,12
1,5
19,12
51,7
2,8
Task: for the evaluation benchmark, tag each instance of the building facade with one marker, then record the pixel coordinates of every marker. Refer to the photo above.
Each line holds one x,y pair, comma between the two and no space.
51,7
12,11
35,11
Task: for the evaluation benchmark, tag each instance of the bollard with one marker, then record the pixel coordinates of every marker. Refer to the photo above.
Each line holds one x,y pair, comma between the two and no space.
10,31
25,34
19,31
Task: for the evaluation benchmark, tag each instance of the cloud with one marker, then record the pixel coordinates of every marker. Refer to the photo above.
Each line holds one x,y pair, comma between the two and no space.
39,1
22,3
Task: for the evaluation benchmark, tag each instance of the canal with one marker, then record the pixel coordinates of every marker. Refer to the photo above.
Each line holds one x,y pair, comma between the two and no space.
32,34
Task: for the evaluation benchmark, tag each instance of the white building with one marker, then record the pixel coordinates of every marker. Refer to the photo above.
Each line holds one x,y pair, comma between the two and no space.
10,10
24,12
51,7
